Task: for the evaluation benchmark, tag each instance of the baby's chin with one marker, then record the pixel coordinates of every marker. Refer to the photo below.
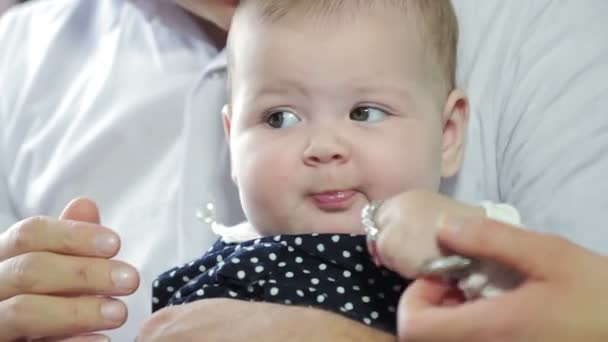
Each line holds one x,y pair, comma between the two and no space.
324,225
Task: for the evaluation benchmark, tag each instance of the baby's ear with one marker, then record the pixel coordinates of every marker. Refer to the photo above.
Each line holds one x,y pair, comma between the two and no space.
226,118
455,122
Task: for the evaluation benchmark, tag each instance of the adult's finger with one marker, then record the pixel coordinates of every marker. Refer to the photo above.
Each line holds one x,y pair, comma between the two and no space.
57,316
79,338
81,209
48,273
535,255
36,234
421,316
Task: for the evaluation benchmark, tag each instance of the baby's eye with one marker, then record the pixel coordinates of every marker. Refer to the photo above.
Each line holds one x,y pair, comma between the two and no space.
369,114
282,119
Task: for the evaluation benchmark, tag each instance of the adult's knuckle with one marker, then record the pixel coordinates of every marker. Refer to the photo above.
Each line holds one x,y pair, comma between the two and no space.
25,233
17,310
24,270
82,273
70,243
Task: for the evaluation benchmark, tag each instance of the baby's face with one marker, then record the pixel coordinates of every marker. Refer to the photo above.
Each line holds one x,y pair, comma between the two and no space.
325,119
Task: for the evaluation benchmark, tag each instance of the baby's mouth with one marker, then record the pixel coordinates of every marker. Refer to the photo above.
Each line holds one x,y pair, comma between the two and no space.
333,200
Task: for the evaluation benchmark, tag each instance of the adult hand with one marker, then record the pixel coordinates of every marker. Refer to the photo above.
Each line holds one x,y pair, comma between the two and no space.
233,320
55,276
563,297
408,228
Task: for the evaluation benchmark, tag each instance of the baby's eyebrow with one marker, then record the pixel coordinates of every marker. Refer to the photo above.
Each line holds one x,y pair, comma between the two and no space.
398,91
282,87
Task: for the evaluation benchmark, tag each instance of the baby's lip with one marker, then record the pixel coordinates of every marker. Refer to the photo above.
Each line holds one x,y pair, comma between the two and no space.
333,199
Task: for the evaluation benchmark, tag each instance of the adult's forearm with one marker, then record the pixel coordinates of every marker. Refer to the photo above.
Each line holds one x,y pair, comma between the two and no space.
235,320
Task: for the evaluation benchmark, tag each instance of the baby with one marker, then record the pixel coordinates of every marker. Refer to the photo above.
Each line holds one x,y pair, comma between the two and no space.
332,104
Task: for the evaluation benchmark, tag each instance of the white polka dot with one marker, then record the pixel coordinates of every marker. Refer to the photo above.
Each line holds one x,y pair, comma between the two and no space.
331,280
191,263
299,260
359,268
261,282
349,306
256,241
314,234
356,288
155,300
300,293
259,269
274,291
367,321
397,288
185,279
381,295
305,271
237,247
284,243
289,275
219,258
392,309
250,289
346,254
298,241
320,298
282,264
172,274
287,302
178,295
359,249
322,267
346,274
235,260
321,248
220,265
340,290
365,299
170,289
254,260
232,294
267,245
335,238
371,281
249,248
272,256
156,283
277,238
202,268
290,249
211,271
241,274
314,281
374,315
312,289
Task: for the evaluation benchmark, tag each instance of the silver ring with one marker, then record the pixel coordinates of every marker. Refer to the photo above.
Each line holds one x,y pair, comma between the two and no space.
367,220
452,267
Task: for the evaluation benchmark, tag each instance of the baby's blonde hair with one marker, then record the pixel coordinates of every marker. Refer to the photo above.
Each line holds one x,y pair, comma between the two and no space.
435,18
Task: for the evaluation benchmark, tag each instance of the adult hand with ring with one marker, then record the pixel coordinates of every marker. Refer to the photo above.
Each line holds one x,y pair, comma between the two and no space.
402,230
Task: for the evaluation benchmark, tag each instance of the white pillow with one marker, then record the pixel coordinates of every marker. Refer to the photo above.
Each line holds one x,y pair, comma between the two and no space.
536,73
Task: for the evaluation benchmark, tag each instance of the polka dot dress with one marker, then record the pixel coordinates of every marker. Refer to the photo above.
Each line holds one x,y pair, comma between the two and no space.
328,271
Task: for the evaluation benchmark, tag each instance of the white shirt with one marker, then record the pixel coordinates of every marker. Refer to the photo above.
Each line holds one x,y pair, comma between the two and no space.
120,101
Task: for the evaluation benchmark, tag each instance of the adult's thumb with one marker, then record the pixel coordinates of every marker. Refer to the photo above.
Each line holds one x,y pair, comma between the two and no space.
81,209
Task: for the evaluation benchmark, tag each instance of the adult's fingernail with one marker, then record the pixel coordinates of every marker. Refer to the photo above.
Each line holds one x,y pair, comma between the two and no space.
124,277
106,243
113,311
